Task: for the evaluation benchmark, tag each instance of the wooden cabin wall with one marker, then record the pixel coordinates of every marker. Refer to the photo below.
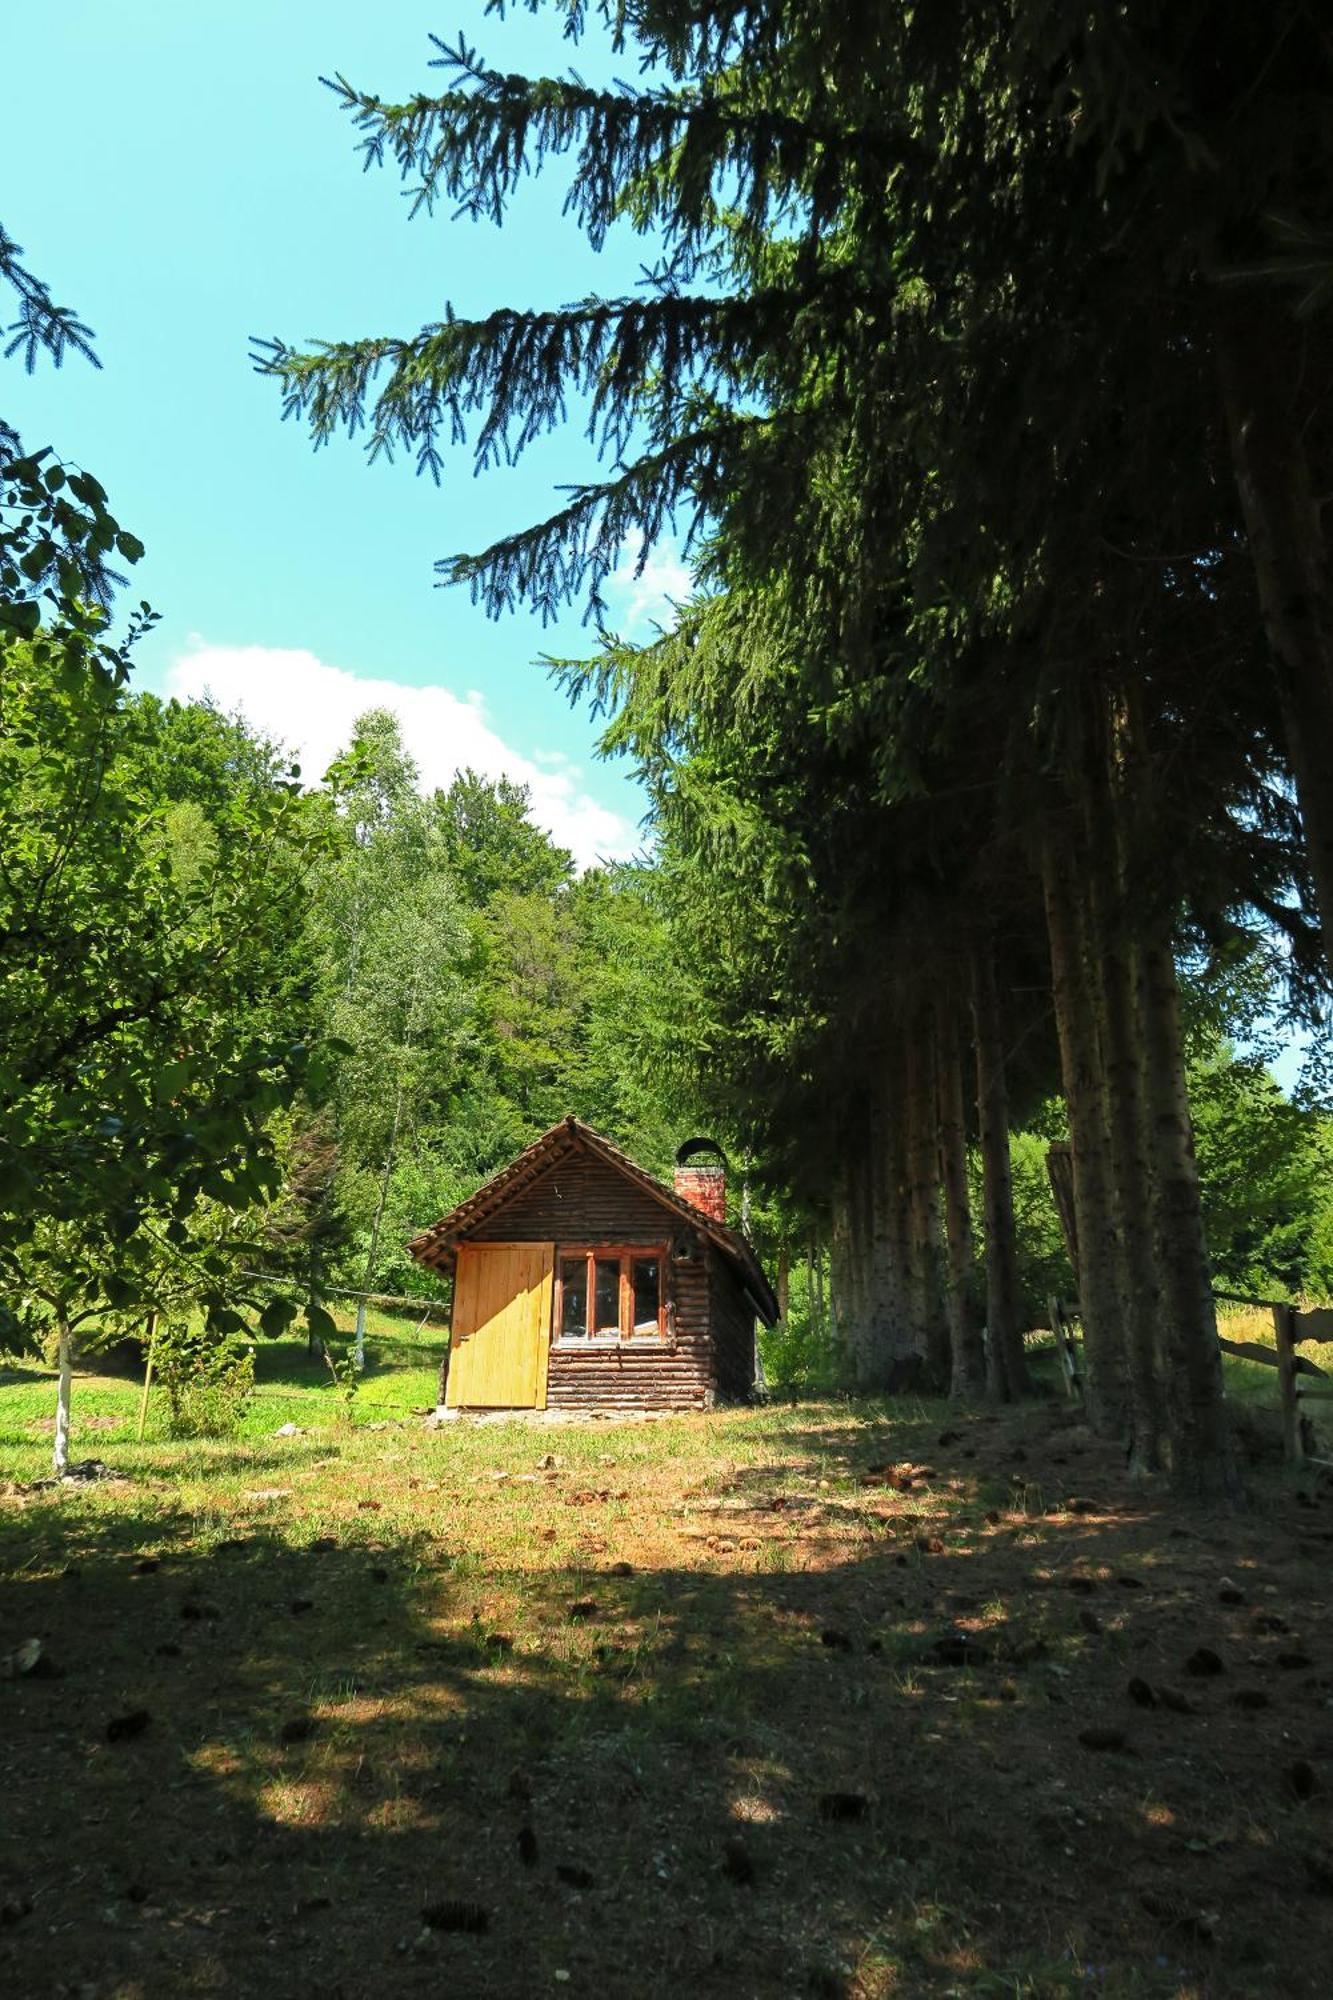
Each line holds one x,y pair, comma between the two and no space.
675,1374
579,1200
582,1201
732,1318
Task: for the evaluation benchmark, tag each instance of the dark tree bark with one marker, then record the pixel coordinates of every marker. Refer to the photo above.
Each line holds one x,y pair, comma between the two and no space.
1081,1068
967,1359
1116,971
888,1336
1202,1466
924,1246
1006,1364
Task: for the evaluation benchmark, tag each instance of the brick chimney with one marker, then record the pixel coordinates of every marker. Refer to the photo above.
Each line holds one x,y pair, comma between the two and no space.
701,1178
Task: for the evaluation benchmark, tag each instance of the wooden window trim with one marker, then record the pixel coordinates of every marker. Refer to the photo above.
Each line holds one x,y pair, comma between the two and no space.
608,1342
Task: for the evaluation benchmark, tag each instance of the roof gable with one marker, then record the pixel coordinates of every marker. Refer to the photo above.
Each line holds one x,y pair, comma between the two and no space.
435,1247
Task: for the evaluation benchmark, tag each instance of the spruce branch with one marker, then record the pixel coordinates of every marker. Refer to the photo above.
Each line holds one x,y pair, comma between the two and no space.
576,549
516,370
476,141
42,326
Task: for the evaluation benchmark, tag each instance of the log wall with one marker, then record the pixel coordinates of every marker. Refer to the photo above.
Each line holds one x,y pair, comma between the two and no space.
732,1318
583,1201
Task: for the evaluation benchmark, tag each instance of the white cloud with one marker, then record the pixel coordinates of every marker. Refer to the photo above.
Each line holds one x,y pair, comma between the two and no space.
649,599
309,707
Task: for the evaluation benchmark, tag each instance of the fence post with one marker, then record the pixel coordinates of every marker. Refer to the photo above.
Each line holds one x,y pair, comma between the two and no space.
1284,1329
147,1374
1064,1348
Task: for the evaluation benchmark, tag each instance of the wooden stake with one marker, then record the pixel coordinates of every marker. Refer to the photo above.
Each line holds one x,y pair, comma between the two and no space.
1284,1327
147,1375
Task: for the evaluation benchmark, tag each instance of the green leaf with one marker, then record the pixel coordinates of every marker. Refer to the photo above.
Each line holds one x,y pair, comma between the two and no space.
276,1317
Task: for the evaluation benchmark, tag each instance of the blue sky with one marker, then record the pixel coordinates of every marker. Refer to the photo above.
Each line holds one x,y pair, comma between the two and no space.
177,173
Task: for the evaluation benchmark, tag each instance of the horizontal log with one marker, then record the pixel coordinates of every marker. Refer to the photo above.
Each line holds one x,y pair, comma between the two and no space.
1253,1350
1307,1393
1317,1324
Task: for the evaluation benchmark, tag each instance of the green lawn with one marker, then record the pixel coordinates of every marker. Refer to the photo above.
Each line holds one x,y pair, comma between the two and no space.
291,1386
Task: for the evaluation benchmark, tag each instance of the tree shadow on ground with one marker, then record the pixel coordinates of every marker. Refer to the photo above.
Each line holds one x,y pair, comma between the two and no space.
842,1749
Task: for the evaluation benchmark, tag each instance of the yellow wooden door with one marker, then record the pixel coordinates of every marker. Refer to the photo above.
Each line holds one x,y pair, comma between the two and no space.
501,1326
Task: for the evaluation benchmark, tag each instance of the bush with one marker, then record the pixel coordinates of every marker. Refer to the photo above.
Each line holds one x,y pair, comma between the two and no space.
209,1381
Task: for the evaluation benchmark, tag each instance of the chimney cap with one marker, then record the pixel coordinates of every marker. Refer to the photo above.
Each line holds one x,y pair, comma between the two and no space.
692,1148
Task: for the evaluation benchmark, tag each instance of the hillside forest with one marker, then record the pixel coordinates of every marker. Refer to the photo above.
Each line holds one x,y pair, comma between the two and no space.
983,357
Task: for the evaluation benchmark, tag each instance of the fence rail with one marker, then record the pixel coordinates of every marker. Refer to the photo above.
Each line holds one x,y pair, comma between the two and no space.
1298,1377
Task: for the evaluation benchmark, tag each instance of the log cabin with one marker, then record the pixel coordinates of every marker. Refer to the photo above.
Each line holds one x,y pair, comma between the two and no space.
582,1282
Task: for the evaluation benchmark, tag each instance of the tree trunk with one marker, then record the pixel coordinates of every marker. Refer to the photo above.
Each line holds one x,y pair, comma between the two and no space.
1201,1461
1006,1363
1081,1068
1140,1287
784,1282
967,1360
1268,404
885,1333
373,1252
817,1289
64,1363
1115,968
923,1201
842,1277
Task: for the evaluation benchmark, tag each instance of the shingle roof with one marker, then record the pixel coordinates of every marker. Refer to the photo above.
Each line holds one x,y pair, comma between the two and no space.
435,1246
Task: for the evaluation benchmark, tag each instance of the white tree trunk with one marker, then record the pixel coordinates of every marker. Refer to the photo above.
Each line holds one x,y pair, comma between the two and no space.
60,1458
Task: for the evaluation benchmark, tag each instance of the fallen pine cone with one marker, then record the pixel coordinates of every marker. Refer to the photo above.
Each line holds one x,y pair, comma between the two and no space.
122,1727
1099,1737
737,1862
456,1914
837,1807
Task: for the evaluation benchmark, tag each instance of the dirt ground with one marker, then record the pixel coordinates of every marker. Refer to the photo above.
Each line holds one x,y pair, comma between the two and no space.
842,1699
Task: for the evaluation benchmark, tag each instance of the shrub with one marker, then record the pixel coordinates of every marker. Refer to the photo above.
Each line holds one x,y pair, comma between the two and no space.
209,1381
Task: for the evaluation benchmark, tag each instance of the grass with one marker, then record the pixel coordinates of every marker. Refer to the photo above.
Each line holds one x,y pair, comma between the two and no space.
291,1386
709,1705
1253,1382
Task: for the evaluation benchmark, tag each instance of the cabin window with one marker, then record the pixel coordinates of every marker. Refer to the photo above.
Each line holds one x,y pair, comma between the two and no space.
646,1294
573,1320
610,1294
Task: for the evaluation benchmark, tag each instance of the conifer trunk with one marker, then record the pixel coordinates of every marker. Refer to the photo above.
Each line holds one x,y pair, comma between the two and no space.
1259,352
64,1365
811,1290
841,1283
1116,979
1140,1286
967,1361
925,1292
1006,1363
823,1303
1201,1462
889,1332
1081,1069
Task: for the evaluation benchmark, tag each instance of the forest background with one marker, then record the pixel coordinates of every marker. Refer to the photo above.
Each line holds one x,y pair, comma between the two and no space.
255,1024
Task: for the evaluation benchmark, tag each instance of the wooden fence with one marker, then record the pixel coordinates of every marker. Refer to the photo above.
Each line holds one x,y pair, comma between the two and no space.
1299,1379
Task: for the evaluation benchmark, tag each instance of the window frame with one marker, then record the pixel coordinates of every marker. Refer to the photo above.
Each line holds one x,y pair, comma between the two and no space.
625,1336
